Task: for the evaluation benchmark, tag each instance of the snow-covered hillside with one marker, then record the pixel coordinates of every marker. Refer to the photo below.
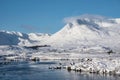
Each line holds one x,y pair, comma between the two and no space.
22,39
88,30
85,30
81,31
38,36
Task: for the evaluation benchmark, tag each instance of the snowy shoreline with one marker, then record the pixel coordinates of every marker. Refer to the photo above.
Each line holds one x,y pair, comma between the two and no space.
83,62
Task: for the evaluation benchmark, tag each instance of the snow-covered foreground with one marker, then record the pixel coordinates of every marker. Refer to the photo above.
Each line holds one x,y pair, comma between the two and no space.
89,60
98,65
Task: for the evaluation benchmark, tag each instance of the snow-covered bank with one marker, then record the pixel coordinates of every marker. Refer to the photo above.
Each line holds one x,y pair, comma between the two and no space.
89,60
98,65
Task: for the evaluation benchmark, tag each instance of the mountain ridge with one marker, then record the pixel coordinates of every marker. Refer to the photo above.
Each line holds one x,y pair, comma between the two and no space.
81,30
22,39
90,30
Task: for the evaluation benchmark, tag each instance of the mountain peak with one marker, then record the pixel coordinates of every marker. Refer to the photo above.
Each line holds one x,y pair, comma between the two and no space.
85,28
90,20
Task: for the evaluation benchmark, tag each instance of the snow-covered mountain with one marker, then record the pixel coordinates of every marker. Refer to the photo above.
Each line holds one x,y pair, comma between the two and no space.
88,30
85,30
17,38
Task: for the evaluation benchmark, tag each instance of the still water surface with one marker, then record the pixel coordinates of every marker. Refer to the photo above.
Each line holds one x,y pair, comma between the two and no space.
40,71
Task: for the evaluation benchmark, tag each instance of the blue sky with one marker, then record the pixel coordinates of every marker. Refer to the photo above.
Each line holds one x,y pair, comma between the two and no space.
46,16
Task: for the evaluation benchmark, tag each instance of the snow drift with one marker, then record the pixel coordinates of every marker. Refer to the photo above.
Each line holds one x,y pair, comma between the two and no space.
96,65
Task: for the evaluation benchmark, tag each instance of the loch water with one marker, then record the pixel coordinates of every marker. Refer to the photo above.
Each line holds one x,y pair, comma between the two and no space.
41,71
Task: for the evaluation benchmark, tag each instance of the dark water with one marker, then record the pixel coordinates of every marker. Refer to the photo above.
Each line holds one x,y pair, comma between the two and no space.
40,71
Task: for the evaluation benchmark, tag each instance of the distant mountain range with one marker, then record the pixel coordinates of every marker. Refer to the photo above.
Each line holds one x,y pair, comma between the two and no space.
22,39
78,31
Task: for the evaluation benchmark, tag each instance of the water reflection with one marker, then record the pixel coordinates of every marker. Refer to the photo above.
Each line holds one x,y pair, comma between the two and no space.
40,71
92,76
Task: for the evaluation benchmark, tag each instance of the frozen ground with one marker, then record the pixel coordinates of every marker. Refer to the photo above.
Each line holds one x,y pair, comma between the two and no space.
96,60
